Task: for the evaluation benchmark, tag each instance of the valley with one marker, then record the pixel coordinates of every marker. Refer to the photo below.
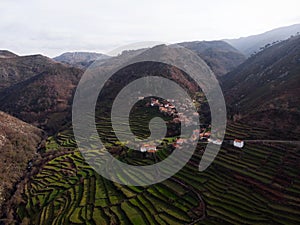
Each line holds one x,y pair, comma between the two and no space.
46,180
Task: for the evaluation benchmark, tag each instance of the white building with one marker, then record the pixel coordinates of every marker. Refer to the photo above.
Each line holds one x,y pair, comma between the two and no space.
216,142
148,148
238,143
143,149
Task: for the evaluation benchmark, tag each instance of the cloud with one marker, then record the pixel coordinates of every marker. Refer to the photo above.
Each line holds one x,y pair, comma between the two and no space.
51,27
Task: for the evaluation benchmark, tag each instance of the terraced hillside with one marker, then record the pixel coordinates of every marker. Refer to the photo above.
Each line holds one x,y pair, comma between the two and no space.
85,197
263,91
18,144
258,184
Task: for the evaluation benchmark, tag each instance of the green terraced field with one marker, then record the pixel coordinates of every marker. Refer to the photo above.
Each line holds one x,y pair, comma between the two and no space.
258,184
67,191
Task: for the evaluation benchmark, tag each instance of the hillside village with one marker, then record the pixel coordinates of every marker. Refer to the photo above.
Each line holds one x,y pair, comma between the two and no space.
203,134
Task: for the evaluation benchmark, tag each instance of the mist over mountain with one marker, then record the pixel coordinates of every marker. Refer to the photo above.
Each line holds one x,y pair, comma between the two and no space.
252,44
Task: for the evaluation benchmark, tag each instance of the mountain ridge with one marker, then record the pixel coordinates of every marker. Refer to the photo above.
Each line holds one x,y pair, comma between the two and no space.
41,97
7,54
17,69
220,56
251,44
80,59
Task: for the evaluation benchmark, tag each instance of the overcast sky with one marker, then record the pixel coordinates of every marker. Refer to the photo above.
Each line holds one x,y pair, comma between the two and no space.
51,27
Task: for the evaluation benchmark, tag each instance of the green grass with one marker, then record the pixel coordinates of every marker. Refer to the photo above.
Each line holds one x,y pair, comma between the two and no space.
258,184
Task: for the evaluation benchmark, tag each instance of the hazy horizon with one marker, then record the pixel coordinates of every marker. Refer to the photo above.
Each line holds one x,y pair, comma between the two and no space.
52,27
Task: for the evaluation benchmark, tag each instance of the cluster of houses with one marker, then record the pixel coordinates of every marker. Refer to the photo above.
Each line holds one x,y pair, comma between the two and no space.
165,106
148,148
168,107
206,136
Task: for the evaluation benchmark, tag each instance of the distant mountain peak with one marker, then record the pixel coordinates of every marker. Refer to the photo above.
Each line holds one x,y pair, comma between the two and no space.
251,44
80,59
220,56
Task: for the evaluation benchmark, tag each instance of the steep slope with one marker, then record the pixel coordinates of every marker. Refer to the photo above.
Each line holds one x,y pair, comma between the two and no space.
18,145
265,89
80,59
251,44
219,55
44,99
14,69
7,54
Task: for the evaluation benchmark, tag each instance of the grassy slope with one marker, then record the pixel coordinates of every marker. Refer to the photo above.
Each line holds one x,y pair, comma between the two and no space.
256,185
